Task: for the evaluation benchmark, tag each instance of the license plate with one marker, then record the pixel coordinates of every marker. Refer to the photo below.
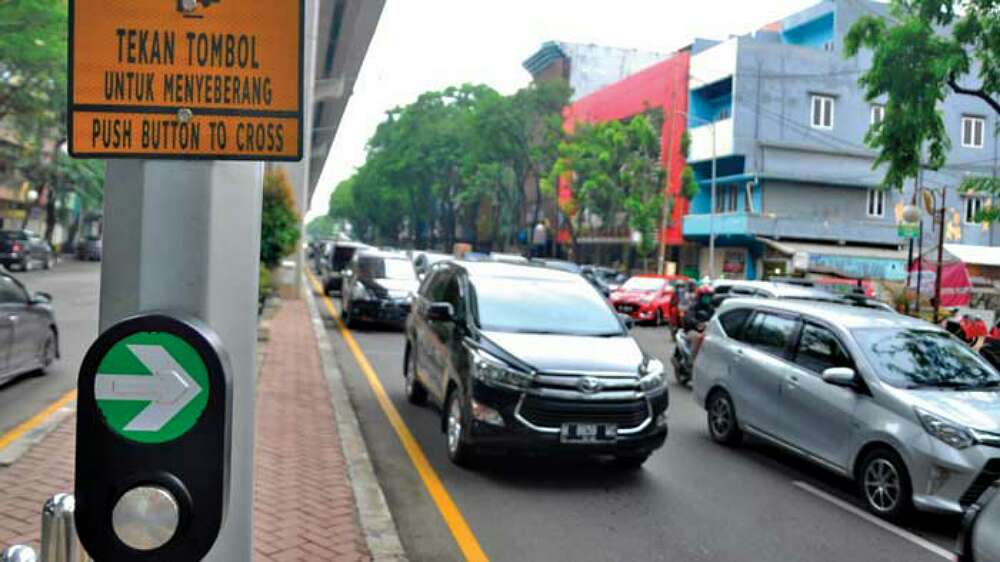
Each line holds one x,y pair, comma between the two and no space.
626,308
588,433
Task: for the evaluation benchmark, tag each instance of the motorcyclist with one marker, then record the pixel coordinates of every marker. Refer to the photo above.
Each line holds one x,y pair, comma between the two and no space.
702,309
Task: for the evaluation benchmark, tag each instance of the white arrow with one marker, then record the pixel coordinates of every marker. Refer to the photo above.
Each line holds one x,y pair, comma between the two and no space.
169,390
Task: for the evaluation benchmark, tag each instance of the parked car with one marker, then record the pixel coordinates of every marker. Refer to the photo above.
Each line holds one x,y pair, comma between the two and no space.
23,249
898,404
90,248
523,358
29,338
339,256
378,287
648,298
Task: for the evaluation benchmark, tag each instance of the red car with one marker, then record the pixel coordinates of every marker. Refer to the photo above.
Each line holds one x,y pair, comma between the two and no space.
648,298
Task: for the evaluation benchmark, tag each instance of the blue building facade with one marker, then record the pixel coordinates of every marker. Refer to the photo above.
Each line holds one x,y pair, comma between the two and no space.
782,116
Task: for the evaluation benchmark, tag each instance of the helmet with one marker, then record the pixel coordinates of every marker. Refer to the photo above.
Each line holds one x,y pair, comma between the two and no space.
704,290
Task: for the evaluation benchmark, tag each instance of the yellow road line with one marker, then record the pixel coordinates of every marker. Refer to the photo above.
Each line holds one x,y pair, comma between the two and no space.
442,499
36,420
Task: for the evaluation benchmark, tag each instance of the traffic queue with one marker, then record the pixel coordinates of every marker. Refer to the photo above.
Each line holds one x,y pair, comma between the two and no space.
529,355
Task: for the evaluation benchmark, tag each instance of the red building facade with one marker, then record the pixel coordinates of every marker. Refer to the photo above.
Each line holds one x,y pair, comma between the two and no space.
663,85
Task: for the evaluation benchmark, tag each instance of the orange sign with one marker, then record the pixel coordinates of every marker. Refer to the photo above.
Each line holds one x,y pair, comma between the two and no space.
186,79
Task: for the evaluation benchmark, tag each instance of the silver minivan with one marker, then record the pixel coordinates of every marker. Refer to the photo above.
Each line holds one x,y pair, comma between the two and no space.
908,411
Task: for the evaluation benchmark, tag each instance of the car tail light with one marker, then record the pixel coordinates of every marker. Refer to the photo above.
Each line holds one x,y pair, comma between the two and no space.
17,247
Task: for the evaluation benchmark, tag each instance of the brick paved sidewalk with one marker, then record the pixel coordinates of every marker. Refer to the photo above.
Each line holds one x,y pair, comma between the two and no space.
304,504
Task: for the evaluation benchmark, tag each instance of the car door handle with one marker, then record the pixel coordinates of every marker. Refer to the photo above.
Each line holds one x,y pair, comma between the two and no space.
793,381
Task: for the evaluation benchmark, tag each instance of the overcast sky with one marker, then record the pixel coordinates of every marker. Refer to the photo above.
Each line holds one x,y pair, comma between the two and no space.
423,45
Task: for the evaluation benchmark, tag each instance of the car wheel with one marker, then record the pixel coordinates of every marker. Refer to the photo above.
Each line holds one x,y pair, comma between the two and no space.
47,262
630,462
415,391
347,316
722,424
659,317
885,484
23,264
49,350
456,430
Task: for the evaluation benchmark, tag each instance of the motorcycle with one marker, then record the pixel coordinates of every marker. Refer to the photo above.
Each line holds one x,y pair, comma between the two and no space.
686,342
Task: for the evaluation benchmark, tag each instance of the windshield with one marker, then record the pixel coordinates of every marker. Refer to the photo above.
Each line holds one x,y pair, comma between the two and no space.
543,307
12,235
382,268
911,358
644,284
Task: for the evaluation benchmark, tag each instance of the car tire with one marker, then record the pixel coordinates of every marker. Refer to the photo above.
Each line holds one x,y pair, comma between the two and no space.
885,484
23,264
48,263
456,429
723,426
347,316
50,350
630,462
328,289
415,391
658,320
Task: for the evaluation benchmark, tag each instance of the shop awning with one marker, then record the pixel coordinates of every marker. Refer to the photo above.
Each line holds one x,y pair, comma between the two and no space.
974,255
843,260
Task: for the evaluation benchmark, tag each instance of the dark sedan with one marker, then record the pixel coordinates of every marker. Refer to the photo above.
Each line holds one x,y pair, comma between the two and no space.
29,339
23,249
523,358
378,287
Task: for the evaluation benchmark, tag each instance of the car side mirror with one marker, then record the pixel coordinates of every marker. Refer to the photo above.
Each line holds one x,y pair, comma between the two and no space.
978,541
440,312
41,298
627,321
841,376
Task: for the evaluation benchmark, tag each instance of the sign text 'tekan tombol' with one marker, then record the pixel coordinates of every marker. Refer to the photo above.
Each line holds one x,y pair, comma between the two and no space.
181,79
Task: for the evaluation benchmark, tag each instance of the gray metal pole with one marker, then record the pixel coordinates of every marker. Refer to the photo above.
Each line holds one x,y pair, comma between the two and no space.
185,237
711,215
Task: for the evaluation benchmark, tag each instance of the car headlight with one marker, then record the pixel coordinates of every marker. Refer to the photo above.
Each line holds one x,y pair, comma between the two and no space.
494,372
651,376
946,431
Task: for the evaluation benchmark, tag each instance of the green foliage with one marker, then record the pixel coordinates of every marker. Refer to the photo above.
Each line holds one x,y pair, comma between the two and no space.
916,65
322,227
279,232
615,168
686,144
689,185
448,158
265,283
33,35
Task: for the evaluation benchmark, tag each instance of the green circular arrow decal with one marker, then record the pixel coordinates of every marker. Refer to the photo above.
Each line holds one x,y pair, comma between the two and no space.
151,387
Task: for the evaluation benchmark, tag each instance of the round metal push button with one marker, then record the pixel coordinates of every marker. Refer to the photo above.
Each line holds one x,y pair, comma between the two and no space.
146,517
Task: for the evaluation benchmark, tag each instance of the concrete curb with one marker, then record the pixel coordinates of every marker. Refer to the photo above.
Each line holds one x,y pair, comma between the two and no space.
17,448
373,510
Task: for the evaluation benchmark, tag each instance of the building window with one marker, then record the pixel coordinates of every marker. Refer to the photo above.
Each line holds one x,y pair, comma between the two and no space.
822,112
972,131
876,203
877,114
727,199
973,205
828,46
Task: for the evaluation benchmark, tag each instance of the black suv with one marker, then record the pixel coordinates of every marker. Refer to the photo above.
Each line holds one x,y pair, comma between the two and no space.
377,287
531,359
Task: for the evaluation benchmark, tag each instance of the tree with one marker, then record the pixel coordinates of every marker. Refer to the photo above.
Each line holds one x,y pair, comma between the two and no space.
614,168
32,58
323,226
279,233
924,51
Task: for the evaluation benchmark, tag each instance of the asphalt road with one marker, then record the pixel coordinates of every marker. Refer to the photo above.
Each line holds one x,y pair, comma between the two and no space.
75,288
693,499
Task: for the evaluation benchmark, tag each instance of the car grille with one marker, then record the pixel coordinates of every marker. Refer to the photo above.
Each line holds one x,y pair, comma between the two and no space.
989,475
544,412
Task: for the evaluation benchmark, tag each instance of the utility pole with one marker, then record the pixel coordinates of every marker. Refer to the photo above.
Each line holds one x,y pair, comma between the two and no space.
665,212
940,256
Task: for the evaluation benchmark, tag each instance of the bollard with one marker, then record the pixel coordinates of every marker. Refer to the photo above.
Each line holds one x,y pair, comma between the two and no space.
18,553
59,540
